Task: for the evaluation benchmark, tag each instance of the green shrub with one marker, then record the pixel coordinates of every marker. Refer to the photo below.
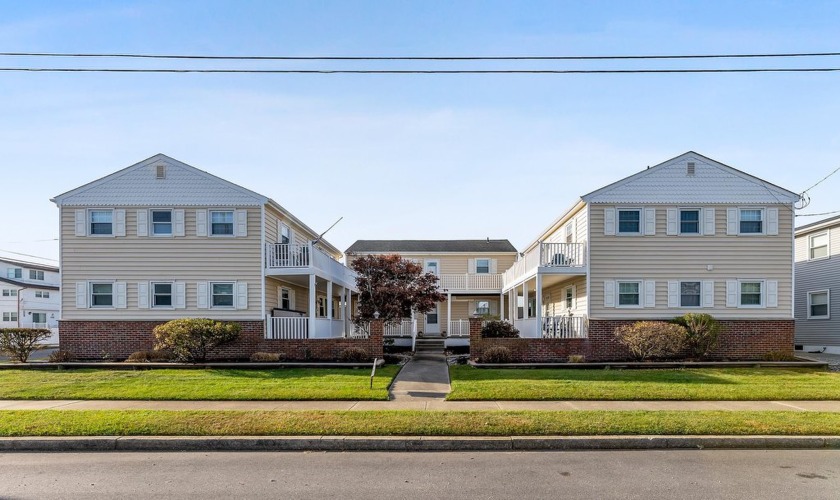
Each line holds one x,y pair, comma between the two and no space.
266,357
149,357
496,354
577,358
192,339
702,332
498,329
61,357
651,339
19,343
353,355
778,356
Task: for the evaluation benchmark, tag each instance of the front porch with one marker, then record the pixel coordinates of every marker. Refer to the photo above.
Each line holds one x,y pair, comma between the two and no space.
308,307
550,306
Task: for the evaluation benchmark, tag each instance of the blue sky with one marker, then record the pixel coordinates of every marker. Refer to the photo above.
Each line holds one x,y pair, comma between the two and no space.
422,156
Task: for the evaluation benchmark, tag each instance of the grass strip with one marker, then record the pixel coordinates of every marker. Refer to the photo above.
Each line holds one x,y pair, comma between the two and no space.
412,423
698,384
288,384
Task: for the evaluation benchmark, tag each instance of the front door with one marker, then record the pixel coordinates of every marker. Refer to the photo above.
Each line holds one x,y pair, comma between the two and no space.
433,321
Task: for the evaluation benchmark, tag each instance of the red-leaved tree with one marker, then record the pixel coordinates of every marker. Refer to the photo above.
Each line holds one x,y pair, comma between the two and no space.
393,287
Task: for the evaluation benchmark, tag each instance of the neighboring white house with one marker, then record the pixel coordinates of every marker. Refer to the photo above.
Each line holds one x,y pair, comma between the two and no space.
817,273
29,296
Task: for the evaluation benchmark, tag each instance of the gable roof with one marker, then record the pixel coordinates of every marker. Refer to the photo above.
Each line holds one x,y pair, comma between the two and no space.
29,265
817,225
712,182
137,185
432,246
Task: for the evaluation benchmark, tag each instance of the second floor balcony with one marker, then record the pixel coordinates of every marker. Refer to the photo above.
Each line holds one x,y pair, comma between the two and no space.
307,258
547,258
470,283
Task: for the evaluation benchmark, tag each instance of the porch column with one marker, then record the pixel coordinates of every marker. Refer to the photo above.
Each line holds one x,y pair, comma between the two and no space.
448,312
311,305
329,300
501,305
525,299
347,311
538,303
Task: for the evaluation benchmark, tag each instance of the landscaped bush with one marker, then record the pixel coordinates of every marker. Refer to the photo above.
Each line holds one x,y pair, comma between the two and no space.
61,357
702,332
496,354
651,339
353,355
778,356
19,343
499,329
192,339
267,357
150,357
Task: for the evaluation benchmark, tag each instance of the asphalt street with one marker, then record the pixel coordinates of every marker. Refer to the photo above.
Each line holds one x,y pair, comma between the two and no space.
604,474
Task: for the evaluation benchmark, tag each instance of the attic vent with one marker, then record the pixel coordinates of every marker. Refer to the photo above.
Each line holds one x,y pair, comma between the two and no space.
160,172
690,168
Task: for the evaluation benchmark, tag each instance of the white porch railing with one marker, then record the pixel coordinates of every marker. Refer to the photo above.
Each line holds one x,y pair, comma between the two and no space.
405,328
455,282
565,327
359,331
280,255
39,325
459,328
287,328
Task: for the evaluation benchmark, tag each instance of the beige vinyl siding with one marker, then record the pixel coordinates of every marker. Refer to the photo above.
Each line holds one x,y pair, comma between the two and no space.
301,235
458,263
663,258
132,259
301,302
461,305
554,297
814,275
581,229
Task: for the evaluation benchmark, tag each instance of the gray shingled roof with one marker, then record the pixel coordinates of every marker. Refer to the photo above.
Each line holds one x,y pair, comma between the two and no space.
28,285
422,246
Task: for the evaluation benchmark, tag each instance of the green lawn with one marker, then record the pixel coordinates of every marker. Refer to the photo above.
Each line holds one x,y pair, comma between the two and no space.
221,384
413,423
700,384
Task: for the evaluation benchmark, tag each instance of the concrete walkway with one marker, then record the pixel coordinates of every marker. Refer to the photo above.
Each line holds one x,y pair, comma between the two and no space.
425,404
425,378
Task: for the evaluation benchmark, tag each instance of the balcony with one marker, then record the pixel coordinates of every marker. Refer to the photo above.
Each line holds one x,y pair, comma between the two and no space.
298,259
471,283
547,258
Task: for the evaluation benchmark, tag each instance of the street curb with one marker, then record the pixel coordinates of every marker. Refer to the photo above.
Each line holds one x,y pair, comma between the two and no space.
412,443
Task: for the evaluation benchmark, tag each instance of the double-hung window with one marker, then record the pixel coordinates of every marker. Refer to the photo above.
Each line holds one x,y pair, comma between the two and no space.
482,307
689,294
40,294
689,221
285,234
629,293
162,295
102,295
14,273
9,292
101,222
569,297
751,221
36,275
570,233
322,307
818,305
818,246
162,222
482,266
10,316
221,295
285,298
629,221
221,222
750,294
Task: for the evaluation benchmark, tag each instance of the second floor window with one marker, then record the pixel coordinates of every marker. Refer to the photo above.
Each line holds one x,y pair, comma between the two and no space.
482,266
690,221
14,273
285,234
42,295
9,293
162,222
818,246
629,221
751,221
36,275
101,222
221,222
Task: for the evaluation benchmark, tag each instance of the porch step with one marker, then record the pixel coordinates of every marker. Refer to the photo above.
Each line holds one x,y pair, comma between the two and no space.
430,345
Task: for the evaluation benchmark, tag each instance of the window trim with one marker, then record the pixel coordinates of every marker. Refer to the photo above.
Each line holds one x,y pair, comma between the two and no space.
35,272
210,285
171,223
426,263
763,221
477,308
639,210
42,294
12,273
171,294
210,232
90,295
569,297
699,294
280,298
699,221
488,265
827,293
89,223
12,315
640,293
827,245
762,294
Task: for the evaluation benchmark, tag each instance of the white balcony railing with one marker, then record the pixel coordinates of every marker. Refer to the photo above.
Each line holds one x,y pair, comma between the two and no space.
565,327
282,255
479,282
459,328
547,255
294,256
405,328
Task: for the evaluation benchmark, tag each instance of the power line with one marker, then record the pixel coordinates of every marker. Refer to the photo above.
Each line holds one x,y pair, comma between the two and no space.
27,255
419,58
821,180
821,213
417,72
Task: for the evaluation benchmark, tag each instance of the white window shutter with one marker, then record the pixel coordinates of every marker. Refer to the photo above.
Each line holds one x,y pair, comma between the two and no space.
493,266
574,296
119,295
772,221
671,227
471,266
731,293
180,295
241,295
119,222
178,222
81,222
650,221
202,296
709,221
470,308
673,294
292,304
143,295
201,223
609,221
142,223
707,293
81,295
241,217
609,294
650,294
731,221
772,293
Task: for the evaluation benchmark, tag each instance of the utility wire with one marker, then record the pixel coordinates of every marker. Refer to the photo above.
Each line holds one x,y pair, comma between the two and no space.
27,255
416,72
821,180
418,58
821,213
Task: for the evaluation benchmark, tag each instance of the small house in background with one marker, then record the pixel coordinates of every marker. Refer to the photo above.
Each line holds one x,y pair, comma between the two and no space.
29,296
817,300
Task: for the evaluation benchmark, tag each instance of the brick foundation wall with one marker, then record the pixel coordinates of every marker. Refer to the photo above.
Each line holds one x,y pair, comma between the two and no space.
738,340
116,340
